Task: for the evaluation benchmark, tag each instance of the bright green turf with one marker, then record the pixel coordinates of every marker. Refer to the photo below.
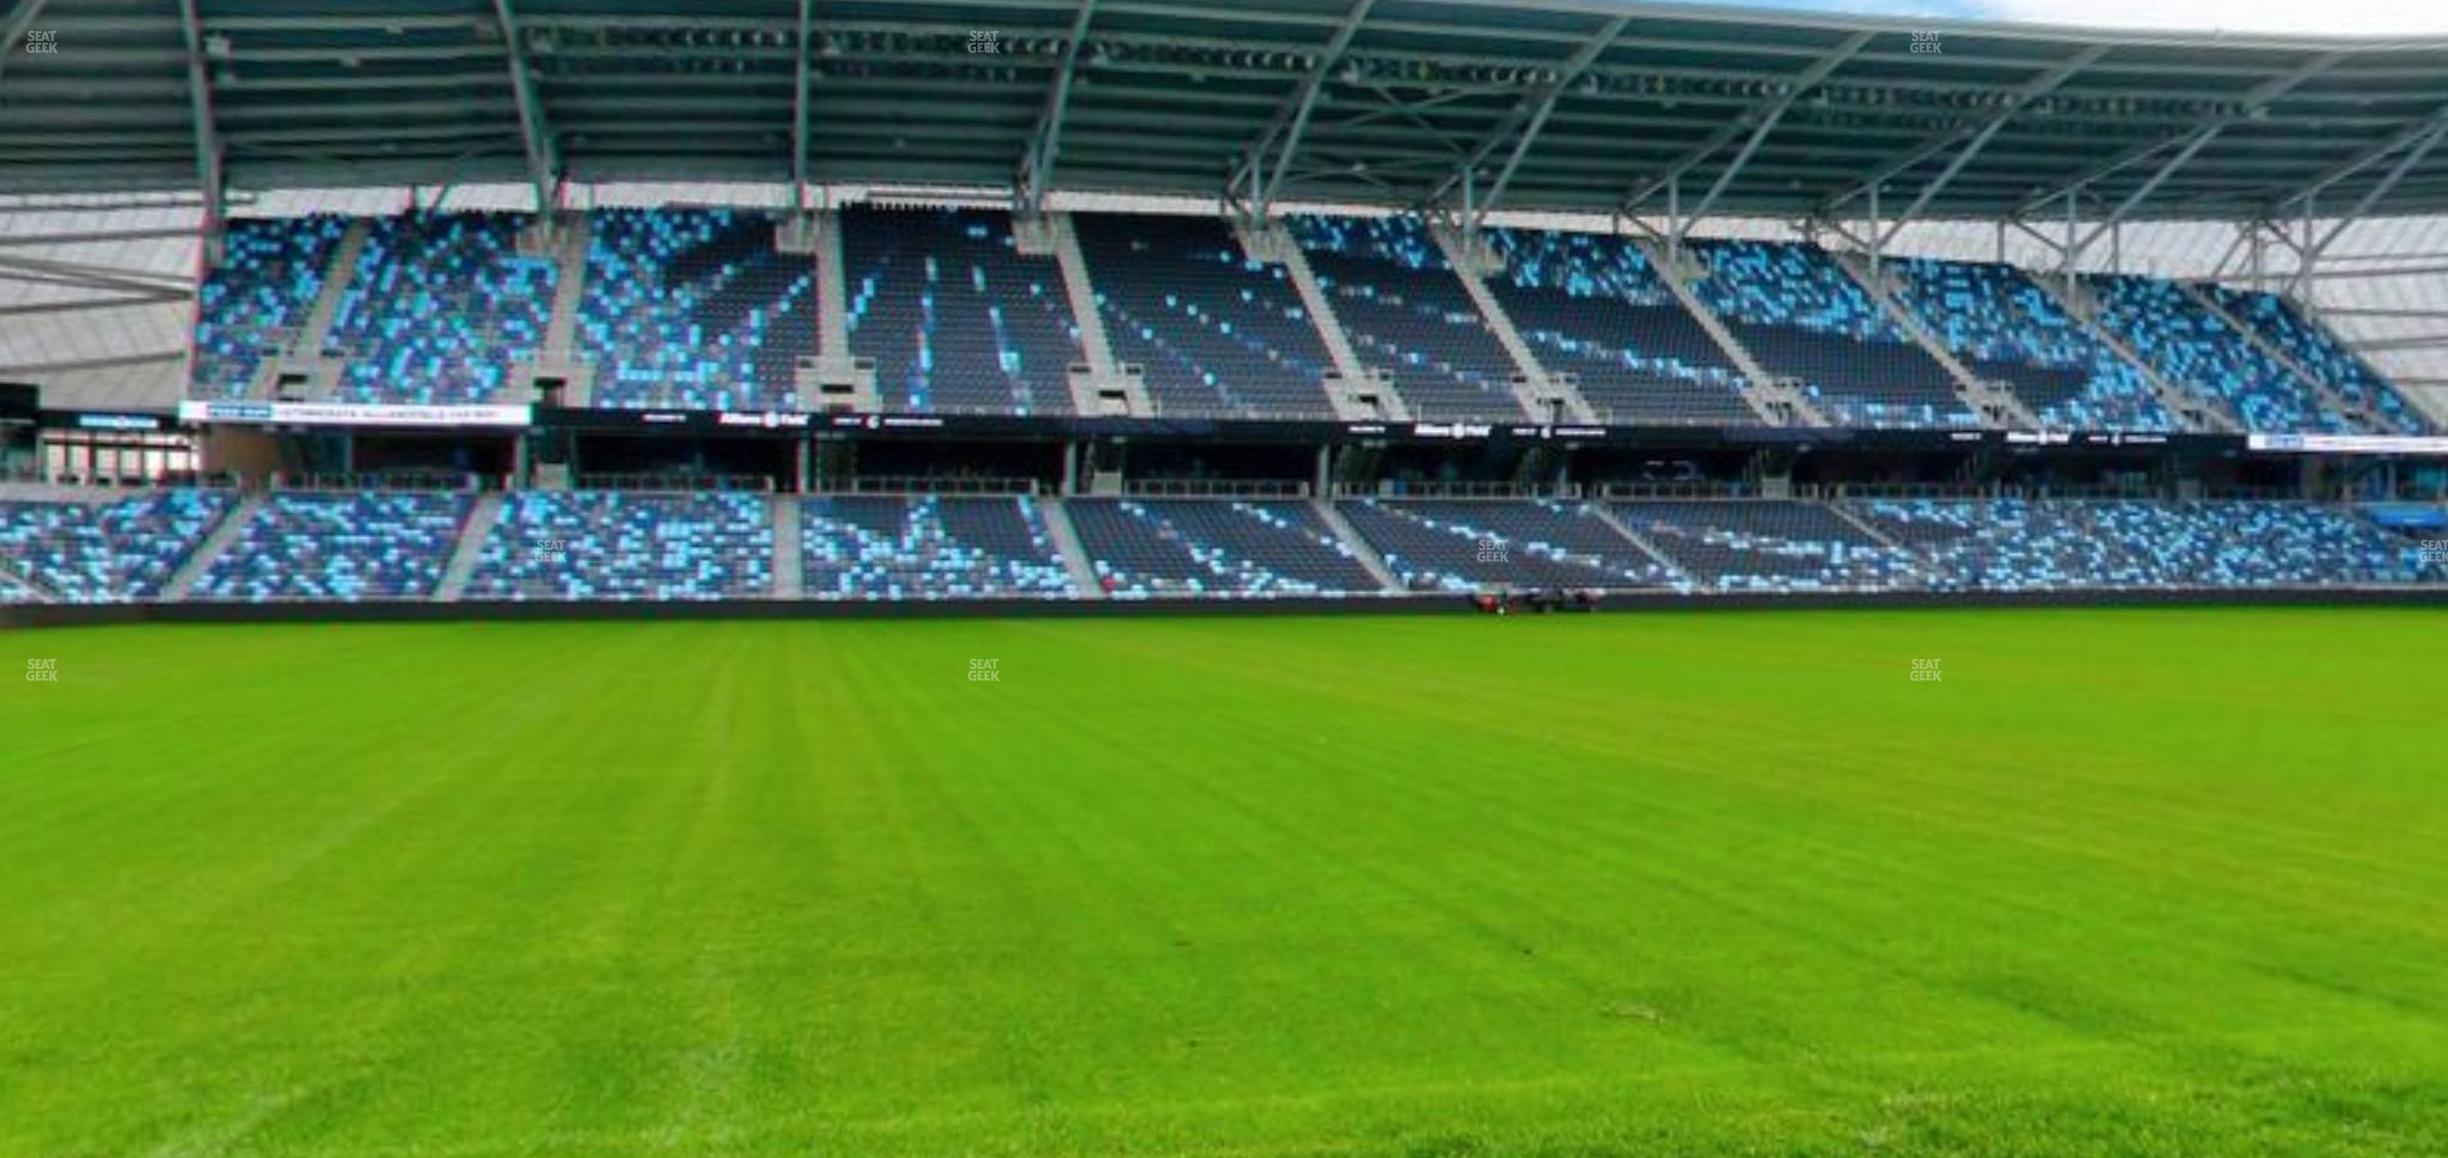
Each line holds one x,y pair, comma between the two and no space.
2123,882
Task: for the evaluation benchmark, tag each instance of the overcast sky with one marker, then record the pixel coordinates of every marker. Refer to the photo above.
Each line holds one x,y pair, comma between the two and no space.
2332,17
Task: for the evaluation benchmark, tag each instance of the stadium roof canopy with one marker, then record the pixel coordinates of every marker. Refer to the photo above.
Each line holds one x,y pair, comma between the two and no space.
1576,105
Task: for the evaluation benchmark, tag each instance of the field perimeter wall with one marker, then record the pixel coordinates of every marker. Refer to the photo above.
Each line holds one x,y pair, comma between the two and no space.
77,615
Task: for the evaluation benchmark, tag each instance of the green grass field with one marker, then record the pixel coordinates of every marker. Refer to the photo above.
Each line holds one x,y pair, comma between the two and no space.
2134,882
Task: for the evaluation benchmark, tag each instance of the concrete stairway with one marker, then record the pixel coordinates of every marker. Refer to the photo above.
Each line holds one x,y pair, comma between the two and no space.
1081,289
2206,413
1105,375
1607,516
832,288
218,541
1369,559
1272,244
1995,404
1067,544
1765,392
302,353
464,554
2320,386
569,253
557,355
336,279
1536,386
789,559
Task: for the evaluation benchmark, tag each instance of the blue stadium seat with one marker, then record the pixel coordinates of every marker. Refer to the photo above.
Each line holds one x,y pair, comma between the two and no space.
1210,547
619,546
2196,349
271,272
1454,545
886,547
1407,312
1768,545
2020,545
108,552
2312,346
439,308
1803,317
2005,328
1590,305
347,547
1218,333
695,308
954,316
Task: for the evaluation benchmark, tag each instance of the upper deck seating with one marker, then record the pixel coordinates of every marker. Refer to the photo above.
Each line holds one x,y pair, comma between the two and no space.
2005,328
955,317
1407,312
1217,333
2198,350
1802,316
439,308
695,308
1591,306
271,272
2317,350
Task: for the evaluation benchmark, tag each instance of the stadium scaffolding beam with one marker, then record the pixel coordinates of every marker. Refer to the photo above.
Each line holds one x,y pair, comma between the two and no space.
1761,120
1523,124
83,304
543,167
2193,139
87,275
208,159
1255,96
803,69
2319,247
2361,161
1045,143
2038,87
2411,342
1291,118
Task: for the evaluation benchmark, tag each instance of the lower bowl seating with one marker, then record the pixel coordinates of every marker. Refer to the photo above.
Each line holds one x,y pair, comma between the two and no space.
551,545
346,547
878,547
1208,547
1768,545
1467,545
106,552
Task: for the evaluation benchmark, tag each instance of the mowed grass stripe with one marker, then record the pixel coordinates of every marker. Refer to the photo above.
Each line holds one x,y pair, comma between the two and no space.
1630,884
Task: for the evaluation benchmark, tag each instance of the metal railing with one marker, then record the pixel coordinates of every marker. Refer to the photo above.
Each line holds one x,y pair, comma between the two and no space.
1682,489
1427,489
1202,488
379,481
915,485
674,483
